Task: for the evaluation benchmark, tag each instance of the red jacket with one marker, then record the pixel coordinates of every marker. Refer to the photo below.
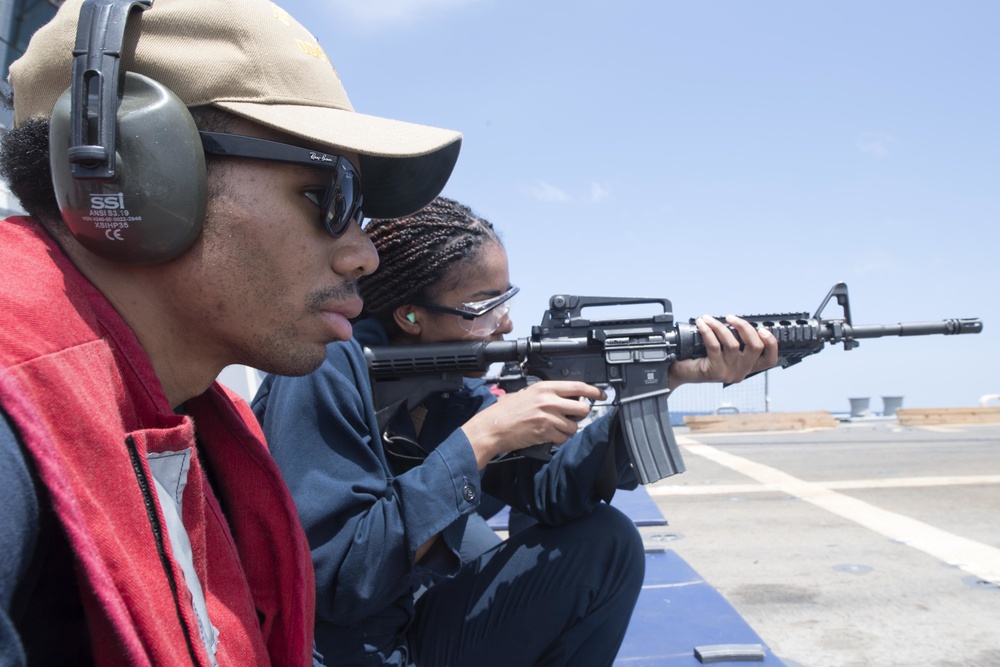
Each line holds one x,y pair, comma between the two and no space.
85,399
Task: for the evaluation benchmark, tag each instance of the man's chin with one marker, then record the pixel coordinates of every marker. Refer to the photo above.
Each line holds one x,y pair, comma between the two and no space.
302,362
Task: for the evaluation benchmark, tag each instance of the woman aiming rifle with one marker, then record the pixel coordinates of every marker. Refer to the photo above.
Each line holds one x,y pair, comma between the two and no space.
387,512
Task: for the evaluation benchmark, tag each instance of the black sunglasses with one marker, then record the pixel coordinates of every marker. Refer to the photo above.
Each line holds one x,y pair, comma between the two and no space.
340,203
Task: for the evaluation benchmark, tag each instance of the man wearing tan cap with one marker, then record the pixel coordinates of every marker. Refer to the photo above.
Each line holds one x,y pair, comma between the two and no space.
210,221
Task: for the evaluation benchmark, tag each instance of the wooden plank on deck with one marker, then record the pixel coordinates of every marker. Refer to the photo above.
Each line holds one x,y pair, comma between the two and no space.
769,421
936,416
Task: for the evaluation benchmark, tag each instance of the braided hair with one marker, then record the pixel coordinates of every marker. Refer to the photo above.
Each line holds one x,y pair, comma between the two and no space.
417,255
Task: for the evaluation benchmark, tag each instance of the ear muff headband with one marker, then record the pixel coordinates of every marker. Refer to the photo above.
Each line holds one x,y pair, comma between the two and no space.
128,167
100,35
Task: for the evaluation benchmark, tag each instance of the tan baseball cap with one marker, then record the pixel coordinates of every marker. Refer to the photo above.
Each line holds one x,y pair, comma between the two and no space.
251,58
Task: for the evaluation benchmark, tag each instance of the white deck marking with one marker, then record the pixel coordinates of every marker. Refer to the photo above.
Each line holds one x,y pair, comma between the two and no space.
973,557
895,483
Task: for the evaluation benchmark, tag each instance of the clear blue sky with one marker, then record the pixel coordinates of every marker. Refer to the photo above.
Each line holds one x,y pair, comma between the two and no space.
734,157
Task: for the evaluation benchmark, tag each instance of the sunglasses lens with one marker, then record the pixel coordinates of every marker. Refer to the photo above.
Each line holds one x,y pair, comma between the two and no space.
342,201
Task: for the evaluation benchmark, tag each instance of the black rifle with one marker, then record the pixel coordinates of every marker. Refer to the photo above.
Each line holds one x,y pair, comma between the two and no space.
632,357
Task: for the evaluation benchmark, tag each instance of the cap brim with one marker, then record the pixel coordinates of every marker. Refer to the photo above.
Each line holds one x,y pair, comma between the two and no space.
404,166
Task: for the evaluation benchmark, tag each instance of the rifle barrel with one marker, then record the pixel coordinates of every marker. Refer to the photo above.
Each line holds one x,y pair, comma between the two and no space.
944,327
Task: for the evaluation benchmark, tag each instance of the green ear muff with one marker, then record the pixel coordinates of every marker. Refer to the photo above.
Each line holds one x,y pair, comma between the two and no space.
153,207
128,167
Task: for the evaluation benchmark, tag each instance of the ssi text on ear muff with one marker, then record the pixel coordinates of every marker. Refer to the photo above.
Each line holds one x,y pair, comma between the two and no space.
127,162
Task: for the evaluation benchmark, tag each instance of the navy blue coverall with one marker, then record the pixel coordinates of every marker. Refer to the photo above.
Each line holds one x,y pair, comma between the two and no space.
558,593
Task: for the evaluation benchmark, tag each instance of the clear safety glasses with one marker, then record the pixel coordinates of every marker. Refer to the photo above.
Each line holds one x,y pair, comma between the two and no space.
479,318
339,203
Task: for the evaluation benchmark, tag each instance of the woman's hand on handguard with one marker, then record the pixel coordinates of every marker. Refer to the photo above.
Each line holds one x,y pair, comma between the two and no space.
726,360
544,412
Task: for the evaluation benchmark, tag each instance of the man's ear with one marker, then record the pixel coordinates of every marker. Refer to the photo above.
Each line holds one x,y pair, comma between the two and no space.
407,320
